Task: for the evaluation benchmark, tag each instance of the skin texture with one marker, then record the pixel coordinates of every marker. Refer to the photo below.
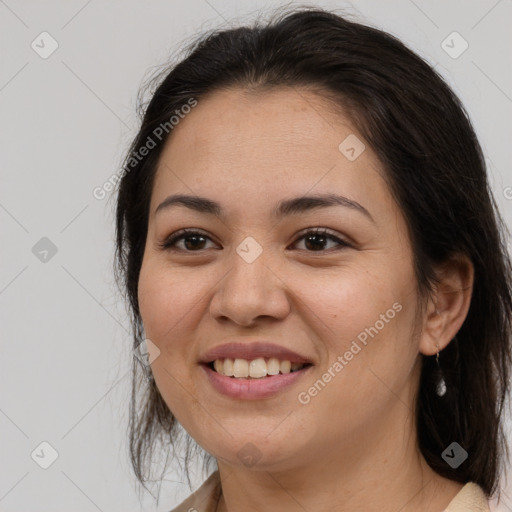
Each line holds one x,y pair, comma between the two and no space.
353,446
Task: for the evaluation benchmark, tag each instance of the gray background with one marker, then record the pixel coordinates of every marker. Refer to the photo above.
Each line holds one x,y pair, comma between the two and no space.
65,122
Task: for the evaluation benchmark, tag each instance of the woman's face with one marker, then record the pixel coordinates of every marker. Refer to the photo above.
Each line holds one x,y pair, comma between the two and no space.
344,301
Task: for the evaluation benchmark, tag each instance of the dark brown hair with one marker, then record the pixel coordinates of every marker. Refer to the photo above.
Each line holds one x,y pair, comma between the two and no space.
435,170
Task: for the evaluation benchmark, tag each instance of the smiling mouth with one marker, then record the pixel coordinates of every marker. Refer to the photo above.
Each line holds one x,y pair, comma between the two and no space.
259,368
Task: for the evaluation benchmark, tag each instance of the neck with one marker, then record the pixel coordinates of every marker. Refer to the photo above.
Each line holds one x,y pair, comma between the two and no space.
375,469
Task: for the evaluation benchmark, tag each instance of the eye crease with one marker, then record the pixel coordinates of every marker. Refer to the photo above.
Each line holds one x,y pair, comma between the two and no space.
321,234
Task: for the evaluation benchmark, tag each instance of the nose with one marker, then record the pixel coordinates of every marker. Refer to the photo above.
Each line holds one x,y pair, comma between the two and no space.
249,291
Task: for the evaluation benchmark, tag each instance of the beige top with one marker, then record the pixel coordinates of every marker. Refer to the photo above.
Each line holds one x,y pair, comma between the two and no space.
470,498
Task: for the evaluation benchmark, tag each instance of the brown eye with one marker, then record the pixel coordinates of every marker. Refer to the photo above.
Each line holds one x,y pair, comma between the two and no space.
316,239
194,241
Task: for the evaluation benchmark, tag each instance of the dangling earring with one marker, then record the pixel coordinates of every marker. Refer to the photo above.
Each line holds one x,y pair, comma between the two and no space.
441,385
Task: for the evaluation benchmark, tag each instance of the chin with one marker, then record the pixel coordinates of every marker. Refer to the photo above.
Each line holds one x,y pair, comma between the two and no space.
257,453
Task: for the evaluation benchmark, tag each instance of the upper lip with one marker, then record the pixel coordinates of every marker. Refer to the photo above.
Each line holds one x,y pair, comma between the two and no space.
252,350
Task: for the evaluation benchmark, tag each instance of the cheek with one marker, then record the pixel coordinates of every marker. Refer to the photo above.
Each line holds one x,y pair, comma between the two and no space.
369,358
166,303
172,306
166,308
166,299
366,317
348,300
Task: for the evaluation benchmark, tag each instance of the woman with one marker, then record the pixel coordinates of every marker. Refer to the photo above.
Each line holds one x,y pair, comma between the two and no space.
318,273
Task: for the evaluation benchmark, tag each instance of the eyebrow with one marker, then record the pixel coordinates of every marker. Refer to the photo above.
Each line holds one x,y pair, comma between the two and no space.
284,208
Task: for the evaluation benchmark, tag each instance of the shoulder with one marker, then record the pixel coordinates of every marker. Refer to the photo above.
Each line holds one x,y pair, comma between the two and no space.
471,498
205,498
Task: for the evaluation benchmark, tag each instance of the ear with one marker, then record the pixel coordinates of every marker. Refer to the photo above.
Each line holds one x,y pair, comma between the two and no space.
449,305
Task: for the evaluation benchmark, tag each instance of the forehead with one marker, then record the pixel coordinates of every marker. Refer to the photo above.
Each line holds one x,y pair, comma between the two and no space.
244,124
239,144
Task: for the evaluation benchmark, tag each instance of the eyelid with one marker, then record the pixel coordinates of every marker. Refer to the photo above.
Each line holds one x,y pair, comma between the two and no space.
324,231
177,235
168,243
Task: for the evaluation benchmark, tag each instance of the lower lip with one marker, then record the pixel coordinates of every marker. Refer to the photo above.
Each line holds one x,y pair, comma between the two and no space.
252,389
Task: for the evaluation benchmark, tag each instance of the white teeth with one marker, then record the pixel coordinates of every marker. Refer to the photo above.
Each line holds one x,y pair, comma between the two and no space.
285,366
227,367
256,368
273,366
241,368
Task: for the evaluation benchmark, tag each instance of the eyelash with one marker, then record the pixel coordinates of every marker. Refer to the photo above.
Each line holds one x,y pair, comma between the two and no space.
169,242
